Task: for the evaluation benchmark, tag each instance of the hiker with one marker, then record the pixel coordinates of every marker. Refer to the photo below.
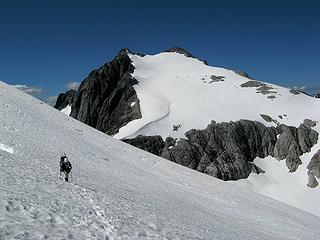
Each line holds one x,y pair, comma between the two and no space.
65,167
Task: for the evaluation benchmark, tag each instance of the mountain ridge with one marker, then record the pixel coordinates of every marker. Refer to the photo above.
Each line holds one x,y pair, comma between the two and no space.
175,93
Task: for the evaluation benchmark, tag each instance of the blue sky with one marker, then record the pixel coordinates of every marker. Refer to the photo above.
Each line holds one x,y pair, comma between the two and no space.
48,44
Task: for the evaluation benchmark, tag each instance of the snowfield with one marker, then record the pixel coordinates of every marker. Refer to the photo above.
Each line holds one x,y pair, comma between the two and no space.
118,191
174,89
177,90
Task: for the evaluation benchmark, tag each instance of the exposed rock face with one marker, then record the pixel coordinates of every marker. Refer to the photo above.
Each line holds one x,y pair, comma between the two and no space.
224,150
317,95
243,74
261,87
184,52
292,143
227,150
314,170
105,98
65,99
216,78
152,144
294,92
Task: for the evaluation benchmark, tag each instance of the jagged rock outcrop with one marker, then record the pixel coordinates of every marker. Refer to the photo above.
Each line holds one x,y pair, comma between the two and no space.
184,52
65,99
243,74
106,99
224,150
152,144
314,170
317,95
293,142
227,150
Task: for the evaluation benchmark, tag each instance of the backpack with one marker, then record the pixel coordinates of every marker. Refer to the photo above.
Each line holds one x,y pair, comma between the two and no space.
65,164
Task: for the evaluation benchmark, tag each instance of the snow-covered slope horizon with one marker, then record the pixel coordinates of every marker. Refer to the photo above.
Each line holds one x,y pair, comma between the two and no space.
118,191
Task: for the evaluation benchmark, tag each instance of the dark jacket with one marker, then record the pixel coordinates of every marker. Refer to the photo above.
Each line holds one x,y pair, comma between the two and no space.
65,165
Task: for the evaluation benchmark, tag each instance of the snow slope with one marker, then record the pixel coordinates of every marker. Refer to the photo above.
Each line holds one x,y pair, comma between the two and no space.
174,89
118,191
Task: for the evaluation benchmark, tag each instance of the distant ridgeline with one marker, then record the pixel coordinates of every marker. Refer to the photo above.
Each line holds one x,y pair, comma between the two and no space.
107,100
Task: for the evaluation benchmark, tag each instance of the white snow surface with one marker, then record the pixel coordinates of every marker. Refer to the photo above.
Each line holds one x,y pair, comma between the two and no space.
6,148
174,89
66,110
118,191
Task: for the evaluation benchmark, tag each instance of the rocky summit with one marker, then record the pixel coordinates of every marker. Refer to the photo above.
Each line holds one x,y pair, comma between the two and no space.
103,98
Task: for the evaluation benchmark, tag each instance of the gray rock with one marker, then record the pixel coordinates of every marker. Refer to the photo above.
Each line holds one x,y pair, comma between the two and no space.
317,95
152,144
184,52
227,150
104,98
224,150
243,74
216,78
265,90
307,138
312,181
314,165
287,147
252,83
267,118
65,99
309,123
294,92
261,87
292,143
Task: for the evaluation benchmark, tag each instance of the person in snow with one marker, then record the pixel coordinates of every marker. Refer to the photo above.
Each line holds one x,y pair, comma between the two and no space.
65,167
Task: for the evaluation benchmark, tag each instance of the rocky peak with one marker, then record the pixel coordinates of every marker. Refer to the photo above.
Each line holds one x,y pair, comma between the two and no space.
317,95
185,53
104,99
181,51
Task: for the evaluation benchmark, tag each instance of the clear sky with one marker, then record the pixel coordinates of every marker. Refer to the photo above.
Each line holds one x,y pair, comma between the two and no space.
48,44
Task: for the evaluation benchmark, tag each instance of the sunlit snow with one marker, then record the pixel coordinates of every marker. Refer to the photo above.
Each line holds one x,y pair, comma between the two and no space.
118,191
174,89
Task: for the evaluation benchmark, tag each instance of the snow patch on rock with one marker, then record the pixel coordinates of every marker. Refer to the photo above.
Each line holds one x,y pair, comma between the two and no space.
66,110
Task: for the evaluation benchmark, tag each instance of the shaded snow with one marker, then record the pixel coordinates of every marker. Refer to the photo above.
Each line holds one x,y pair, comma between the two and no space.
118,191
